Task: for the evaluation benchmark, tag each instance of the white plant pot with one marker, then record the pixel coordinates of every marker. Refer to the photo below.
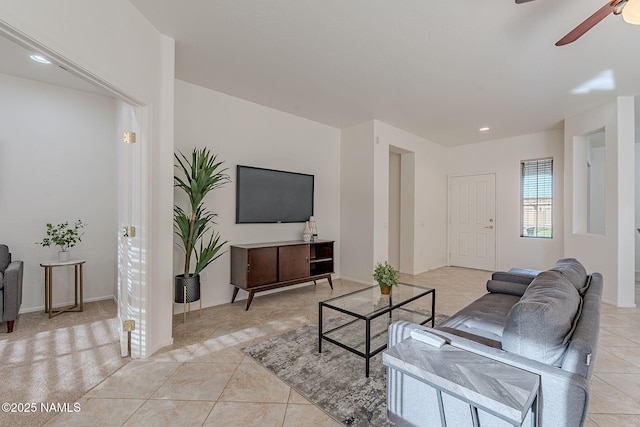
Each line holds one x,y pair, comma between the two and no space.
63,256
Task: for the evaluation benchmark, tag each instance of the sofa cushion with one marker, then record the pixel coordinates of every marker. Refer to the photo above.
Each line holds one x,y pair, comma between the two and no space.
1,280
538,325
573,271
484,317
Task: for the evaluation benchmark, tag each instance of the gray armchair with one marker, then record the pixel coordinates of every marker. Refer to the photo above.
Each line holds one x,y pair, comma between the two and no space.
10,287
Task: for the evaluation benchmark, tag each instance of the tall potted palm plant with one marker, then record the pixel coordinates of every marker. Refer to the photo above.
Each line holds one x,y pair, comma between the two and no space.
196,176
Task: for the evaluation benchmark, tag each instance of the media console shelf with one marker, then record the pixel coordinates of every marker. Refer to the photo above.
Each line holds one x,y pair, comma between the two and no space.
260,267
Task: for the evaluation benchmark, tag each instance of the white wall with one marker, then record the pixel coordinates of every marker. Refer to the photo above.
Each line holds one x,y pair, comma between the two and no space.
395,211
597,202
637,207
137,62
57,164
503,158
612,254
241,132
637,187
356,202
426,194
365,200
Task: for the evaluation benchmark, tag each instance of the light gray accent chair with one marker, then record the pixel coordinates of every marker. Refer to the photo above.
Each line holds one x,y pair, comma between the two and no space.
10,287
547,324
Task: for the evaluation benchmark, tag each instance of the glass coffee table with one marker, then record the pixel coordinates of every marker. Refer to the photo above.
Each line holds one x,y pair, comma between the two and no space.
367,313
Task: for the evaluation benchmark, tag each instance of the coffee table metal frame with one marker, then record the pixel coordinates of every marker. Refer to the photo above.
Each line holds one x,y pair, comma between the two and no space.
370,316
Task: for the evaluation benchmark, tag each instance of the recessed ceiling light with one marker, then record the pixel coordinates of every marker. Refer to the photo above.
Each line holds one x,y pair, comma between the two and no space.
484,129
39,58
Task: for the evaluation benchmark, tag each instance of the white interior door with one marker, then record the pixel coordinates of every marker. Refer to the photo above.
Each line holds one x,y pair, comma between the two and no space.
472,225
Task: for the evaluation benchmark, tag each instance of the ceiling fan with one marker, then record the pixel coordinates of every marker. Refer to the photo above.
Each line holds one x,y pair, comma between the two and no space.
630,10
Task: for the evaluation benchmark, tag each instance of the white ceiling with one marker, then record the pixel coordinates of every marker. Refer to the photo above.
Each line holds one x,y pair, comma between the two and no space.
16,61
438,69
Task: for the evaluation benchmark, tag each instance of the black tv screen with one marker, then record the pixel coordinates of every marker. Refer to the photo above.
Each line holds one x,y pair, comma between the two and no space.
271,196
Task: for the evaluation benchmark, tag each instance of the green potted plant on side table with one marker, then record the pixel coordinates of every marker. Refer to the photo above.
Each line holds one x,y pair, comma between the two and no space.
386,276
63,235
196,177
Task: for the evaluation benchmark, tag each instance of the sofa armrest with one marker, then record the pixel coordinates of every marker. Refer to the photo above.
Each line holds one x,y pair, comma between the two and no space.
564,396
509,288
584,341
12,290
401,330
512,282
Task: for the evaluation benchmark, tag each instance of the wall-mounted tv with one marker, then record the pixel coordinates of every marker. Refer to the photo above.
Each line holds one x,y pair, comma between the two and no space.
272,196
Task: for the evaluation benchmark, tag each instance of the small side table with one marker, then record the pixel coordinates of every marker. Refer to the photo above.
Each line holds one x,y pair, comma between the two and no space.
48,291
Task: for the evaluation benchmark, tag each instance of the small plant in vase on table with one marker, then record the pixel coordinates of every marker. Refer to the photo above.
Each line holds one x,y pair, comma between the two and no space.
386,276
63,235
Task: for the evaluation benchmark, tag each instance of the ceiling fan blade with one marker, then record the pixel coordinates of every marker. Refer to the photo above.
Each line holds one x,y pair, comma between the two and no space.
588,23
522,1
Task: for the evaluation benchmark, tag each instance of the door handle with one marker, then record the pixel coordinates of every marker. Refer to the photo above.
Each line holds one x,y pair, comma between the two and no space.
490,227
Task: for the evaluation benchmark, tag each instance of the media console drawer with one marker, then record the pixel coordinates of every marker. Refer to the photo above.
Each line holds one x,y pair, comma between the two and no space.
260,267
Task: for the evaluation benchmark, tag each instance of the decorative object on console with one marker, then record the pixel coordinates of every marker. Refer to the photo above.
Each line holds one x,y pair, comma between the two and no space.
64,236
198,176
386,276
306,234
314,228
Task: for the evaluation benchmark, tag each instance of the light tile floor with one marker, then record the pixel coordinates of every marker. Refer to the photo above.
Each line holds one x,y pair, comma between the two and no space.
204,380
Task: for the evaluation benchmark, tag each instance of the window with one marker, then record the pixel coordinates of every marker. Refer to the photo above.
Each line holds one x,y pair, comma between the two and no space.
536,198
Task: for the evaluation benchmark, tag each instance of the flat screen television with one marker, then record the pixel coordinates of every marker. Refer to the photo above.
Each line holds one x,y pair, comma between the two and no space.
272,196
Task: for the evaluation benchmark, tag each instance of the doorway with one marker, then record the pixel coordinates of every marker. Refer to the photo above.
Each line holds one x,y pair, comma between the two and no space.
395,186
472,231
401,209
132,268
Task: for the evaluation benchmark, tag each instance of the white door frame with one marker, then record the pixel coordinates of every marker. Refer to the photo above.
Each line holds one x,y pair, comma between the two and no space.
133,215
133,291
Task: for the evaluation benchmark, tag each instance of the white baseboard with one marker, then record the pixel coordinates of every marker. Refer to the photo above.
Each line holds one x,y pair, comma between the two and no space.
362,282
431,269
617,305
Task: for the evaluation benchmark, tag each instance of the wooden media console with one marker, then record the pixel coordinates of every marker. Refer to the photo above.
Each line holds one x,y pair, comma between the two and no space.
260,267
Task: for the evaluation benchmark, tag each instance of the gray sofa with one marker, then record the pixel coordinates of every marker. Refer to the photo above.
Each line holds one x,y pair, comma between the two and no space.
10,287
546,323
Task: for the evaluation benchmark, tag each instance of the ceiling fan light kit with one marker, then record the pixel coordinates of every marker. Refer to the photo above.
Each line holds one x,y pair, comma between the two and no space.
631,12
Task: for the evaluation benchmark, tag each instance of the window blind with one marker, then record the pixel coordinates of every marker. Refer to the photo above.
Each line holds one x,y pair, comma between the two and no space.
536,198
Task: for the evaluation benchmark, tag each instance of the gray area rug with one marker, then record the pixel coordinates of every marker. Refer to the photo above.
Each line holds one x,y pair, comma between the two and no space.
333,380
